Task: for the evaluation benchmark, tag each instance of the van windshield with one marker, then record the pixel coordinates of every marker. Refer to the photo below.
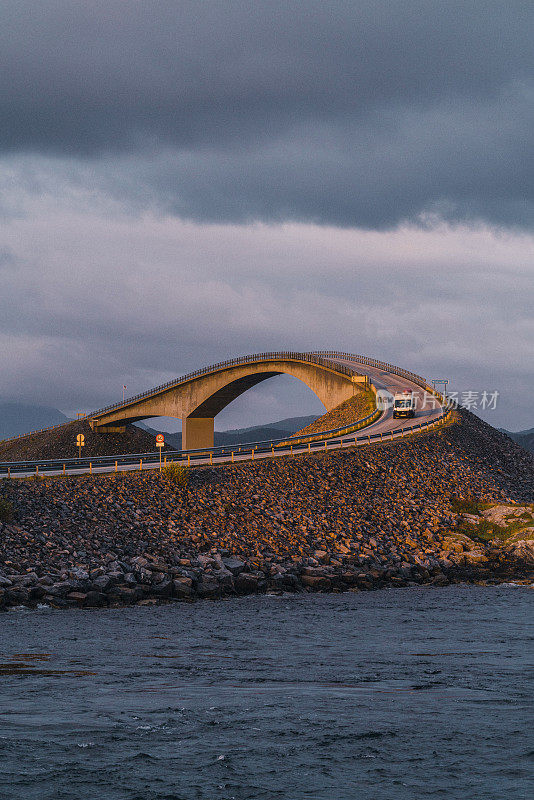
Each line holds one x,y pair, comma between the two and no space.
403,403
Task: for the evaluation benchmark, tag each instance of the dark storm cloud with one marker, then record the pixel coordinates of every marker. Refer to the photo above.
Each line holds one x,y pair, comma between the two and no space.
355,113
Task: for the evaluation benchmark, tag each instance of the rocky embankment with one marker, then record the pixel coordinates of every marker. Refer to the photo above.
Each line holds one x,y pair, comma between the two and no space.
405,513
61,443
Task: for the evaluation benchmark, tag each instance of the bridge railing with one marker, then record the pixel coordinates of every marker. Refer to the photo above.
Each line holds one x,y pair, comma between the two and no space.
403,373
312,358
373,362
294,355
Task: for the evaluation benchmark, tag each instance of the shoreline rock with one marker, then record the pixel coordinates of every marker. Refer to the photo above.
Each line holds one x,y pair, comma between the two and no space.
352,520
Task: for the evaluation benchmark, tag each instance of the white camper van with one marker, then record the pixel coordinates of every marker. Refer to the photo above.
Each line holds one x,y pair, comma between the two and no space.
404,404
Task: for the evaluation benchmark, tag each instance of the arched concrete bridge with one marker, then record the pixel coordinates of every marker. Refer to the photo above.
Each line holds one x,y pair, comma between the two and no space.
198,397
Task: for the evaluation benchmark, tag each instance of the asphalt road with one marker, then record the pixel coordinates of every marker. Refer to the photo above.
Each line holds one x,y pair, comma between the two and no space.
428,407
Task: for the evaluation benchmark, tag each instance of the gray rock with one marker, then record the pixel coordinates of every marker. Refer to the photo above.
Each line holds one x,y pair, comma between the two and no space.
95,599
181,590
79,574
18,596
234,565
103,583
143,575
62,589
246,583
162,589
140,562
208,587
129,594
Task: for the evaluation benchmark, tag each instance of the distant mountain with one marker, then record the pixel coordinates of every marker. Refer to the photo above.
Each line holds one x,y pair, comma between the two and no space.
17,418
523,438
258,433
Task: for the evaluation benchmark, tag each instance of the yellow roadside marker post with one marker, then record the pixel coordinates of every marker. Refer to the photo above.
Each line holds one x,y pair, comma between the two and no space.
160,441
80,441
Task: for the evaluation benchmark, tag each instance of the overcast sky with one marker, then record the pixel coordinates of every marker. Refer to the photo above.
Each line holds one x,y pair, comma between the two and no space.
183,182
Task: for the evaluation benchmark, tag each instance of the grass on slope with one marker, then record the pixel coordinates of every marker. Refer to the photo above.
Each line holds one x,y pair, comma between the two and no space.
353,409
518,518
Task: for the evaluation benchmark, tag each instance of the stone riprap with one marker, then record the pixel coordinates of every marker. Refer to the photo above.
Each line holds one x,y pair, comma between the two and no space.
351,519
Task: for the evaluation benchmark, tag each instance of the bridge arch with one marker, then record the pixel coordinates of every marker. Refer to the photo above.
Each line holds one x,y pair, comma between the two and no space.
198,398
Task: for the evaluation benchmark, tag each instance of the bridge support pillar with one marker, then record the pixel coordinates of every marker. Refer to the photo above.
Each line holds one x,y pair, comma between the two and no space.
197,432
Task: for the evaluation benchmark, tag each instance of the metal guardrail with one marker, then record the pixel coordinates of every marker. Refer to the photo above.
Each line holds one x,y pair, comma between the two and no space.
216,450
208,456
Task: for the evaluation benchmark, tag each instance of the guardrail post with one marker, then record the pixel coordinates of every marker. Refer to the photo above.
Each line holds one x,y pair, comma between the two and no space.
232,456
90,468
116,467
63,469
309,447
9,472
140,464
211,457
37,469
188,461
252,451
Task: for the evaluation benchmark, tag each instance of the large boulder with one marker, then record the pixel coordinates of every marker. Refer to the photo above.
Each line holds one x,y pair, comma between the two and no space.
234,565
319,583
208,586
182,588
249,582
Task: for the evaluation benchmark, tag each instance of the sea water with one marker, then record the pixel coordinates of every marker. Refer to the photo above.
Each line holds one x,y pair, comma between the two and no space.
406,693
